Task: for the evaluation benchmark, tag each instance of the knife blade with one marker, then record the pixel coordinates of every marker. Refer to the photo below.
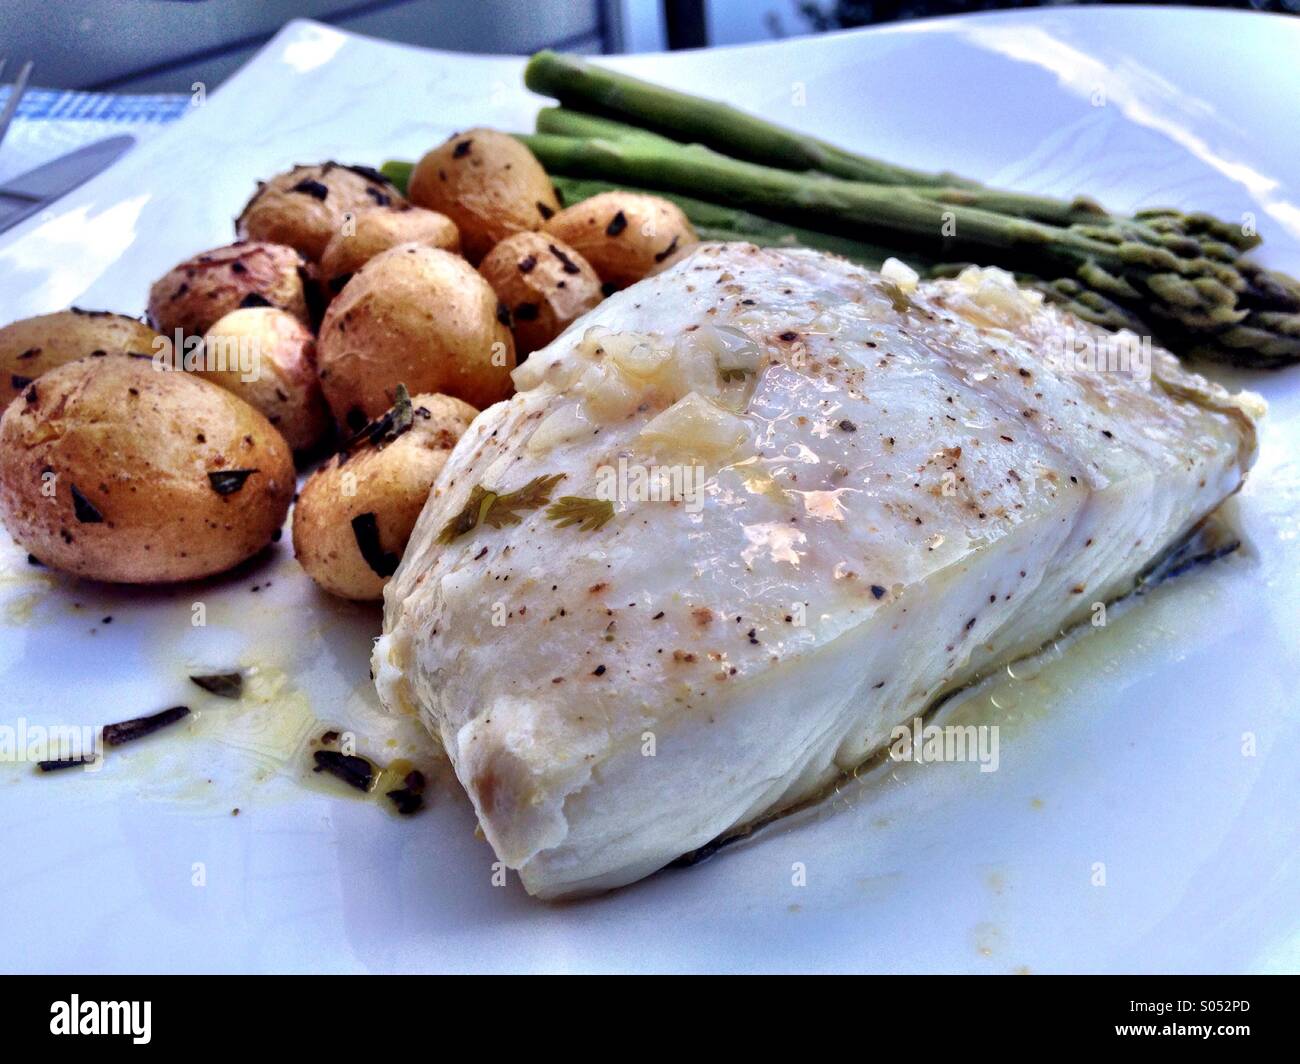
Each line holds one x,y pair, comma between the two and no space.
28,193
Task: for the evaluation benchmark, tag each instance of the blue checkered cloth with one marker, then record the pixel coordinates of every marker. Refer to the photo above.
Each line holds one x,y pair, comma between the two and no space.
61,105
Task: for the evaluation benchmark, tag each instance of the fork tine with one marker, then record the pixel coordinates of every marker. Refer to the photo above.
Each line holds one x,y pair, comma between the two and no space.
15,95
3,61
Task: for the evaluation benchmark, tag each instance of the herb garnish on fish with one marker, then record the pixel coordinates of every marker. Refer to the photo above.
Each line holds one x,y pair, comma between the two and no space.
588,514
486,507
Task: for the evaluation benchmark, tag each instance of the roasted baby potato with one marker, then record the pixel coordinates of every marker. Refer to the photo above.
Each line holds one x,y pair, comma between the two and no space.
267,357
544,284
624,235
306,207
486,182
114,470
32,346
355,513
379,229
414,315
193,295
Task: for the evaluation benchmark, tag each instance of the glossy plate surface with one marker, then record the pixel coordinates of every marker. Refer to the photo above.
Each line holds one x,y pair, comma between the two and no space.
1143,814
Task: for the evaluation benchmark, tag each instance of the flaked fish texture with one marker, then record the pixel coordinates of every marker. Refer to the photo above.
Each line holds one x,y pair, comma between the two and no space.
751,513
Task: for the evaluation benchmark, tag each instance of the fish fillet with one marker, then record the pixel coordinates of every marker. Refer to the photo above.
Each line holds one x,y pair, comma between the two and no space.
817,499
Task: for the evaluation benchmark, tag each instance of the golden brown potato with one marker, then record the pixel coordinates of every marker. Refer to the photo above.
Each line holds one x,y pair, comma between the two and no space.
544,284
32,346
417,316
378,230
193,295
355,513
486,182
113,470
624,235
268,358
306,207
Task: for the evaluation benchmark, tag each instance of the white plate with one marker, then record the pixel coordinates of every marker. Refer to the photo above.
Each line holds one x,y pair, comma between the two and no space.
1124,758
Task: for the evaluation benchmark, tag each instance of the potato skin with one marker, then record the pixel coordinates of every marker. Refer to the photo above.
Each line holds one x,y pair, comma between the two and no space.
33,346
379,229
486,182
305,207
391,482
286,389
138,444
544,284
624,235
194,294
417,316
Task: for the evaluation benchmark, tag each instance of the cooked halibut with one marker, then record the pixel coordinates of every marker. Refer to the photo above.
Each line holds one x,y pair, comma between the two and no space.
748,515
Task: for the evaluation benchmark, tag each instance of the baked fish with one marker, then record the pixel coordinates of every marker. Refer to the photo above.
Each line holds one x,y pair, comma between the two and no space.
751,513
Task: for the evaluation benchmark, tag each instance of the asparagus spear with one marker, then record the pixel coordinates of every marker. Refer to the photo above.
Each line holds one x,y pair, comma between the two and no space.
569,123
1182,274
398,172
1263,335
699,170
584,87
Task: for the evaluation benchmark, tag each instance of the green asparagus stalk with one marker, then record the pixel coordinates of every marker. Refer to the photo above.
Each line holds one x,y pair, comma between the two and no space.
567,123
562,121
1184,278
594,87
399,173
694,169
597,90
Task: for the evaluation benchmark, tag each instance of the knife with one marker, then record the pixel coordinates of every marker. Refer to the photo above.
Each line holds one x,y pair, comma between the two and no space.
34,190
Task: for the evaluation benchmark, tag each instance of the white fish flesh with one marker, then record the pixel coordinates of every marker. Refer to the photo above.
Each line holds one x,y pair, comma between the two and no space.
824,497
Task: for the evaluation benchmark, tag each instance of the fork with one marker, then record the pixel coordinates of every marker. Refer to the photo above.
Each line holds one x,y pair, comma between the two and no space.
15,94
